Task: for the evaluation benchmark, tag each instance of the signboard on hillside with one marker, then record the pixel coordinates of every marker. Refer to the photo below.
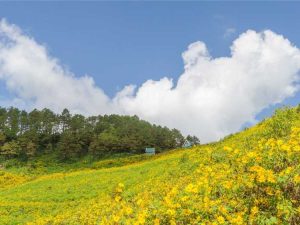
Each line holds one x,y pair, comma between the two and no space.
150,151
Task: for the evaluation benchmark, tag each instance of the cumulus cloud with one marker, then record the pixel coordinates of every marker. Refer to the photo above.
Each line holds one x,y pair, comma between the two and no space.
38,80
212,98
216,96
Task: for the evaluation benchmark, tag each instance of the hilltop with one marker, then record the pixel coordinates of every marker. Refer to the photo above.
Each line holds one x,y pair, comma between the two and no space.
252,177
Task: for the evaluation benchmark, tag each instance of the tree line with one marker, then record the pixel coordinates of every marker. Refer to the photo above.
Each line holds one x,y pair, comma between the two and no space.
25,135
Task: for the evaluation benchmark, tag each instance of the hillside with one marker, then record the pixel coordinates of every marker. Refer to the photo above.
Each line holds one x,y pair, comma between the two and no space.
252,177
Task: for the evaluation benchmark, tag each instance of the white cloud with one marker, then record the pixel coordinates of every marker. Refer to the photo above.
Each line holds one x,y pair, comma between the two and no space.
215,97
212,98
40,81
229,32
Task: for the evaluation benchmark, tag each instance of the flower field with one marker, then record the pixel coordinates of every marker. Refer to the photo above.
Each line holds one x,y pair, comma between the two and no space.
252,177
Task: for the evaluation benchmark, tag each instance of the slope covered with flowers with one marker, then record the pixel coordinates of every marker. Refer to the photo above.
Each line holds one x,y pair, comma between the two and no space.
252,177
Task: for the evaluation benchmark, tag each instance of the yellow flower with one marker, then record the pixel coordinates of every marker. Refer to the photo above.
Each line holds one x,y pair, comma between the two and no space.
226,148
184,198
118,198
120,188
220,219
227,184
236,151
156,221
171,212
254,210
191,188
142,218
222,209
172,222
269,191
116,218
238,220
297,179
128,210
187,212
139,202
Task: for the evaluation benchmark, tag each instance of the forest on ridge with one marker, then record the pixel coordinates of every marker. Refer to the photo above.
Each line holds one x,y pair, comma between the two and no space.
25,135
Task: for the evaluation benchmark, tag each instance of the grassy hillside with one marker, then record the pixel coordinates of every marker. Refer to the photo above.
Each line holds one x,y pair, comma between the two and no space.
252,177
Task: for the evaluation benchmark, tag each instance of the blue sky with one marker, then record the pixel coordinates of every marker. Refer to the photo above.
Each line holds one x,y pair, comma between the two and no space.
145,40
122,43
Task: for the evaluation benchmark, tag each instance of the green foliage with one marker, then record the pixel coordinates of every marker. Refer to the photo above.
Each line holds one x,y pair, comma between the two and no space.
281,122
2,138
193,140
10,149
70,137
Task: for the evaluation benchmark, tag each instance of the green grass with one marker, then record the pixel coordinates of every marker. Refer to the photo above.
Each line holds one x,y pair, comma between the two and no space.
48,194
